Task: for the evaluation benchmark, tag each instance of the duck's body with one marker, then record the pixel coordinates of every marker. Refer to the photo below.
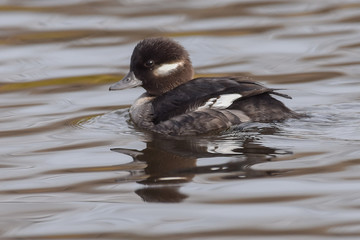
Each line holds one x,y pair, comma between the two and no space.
176,104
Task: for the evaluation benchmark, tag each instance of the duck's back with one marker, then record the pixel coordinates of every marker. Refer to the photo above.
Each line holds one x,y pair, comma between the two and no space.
205,105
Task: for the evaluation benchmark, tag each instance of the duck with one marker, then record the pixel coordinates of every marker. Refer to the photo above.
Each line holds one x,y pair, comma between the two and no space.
175,103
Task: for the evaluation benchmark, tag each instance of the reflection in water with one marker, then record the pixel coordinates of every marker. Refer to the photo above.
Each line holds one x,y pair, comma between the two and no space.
174,161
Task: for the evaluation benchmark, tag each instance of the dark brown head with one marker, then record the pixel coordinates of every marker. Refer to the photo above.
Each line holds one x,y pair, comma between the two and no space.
159,65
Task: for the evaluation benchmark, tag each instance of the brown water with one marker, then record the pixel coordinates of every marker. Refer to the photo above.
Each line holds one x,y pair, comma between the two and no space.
72,166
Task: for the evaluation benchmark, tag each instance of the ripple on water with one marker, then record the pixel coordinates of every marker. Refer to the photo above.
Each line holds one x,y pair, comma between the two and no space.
115,119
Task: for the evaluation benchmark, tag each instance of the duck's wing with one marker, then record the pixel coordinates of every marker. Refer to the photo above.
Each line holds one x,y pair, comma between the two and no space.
205,93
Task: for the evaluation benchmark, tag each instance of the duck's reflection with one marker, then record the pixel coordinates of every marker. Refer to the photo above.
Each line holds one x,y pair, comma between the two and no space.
174,161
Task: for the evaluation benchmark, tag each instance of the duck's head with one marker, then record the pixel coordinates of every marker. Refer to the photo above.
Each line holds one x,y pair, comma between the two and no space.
158,65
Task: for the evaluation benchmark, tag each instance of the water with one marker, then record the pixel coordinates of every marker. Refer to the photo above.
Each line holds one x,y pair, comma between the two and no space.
73,166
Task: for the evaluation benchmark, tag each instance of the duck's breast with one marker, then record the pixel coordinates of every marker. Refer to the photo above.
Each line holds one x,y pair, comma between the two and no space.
141,112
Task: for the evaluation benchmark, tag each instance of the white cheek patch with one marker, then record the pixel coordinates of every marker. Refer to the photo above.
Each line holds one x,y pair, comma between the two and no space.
167,68
221,102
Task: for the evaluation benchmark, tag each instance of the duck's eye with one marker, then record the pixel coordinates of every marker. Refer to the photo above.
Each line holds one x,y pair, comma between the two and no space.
149,63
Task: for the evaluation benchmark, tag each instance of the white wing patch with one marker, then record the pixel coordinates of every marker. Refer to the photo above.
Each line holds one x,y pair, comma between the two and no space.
166,68
222,102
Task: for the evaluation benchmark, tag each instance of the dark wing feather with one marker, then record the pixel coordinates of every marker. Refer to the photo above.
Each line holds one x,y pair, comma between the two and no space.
196,92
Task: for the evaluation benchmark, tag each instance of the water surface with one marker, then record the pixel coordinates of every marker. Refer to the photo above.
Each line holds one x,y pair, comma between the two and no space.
74,167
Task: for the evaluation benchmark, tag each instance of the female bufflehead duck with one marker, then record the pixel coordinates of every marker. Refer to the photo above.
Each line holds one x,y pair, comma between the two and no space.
176,104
